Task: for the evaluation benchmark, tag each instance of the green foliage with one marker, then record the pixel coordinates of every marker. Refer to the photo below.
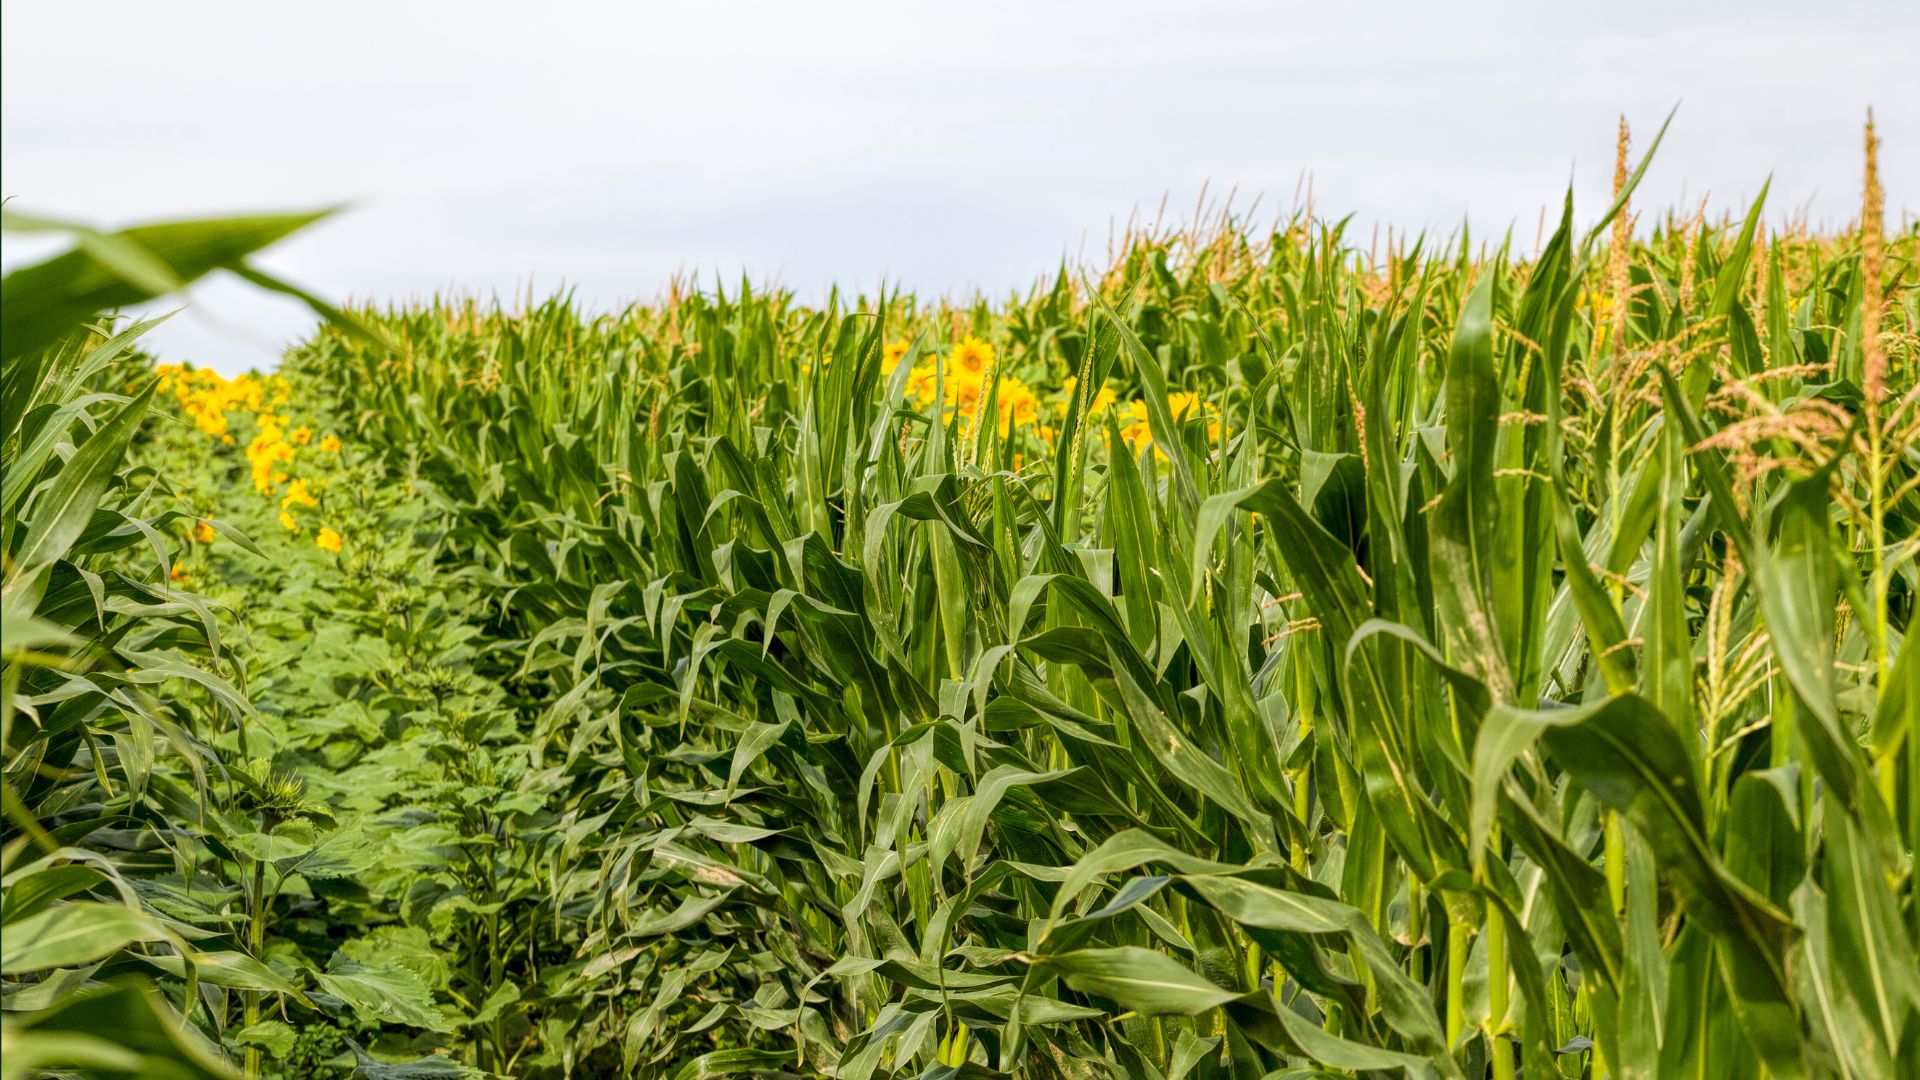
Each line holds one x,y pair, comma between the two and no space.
1401,675
114,680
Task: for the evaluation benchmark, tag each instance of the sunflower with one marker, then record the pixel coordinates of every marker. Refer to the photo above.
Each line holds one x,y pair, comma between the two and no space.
1017,403
1102,398
1135,427
972,356
328,540
890,358
298,495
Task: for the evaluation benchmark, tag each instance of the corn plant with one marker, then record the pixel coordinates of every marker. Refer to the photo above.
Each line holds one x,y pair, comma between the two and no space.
145,841
1265,656
102,652
1442,662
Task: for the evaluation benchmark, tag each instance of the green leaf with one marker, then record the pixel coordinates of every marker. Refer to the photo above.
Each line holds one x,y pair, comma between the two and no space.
272,1036
233,970
144,1038
71,934
1139,980
46,300
1465,519
383,995
62,514
434,1067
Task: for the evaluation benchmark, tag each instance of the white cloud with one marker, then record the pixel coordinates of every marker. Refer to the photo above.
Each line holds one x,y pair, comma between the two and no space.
943,146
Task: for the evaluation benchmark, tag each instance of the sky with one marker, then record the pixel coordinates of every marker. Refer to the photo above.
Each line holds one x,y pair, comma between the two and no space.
487,148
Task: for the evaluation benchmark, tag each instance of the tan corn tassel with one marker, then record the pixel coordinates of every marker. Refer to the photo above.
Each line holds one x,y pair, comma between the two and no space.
1873,260
1688,239
1622,237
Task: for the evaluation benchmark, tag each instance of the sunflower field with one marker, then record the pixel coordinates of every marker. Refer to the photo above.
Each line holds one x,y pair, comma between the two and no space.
1270,655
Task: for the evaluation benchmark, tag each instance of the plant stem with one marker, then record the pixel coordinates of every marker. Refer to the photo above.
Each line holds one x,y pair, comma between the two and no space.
1497,996
257,935
1616,863
1456,972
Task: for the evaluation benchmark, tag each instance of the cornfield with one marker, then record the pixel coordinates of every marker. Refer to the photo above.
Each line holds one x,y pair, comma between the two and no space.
1272,655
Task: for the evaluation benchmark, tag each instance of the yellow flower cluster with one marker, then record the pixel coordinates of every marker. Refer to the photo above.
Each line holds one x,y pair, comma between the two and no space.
270,454
207,398
968,373
964,380
298,494
1186,405
1136,424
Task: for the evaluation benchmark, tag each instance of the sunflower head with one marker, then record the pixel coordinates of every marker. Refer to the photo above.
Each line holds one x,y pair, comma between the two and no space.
972,355
276,794
891,356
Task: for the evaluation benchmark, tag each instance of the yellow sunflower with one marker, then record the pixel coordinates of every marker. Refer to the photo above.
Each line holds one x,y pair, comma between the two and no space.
972,356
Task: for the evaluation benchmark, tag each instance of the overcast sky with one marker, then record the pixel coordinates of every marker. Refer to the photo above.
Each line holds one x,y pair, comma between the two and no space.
946,147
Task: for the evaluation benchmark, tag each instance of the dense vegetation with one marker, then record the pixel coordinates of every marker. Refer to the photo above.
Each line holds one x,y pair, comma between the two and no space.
1271,656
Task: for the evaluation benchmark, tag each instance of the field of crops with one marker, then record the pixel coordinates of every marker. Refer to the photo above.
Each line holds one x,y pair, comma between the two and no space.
1281,654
